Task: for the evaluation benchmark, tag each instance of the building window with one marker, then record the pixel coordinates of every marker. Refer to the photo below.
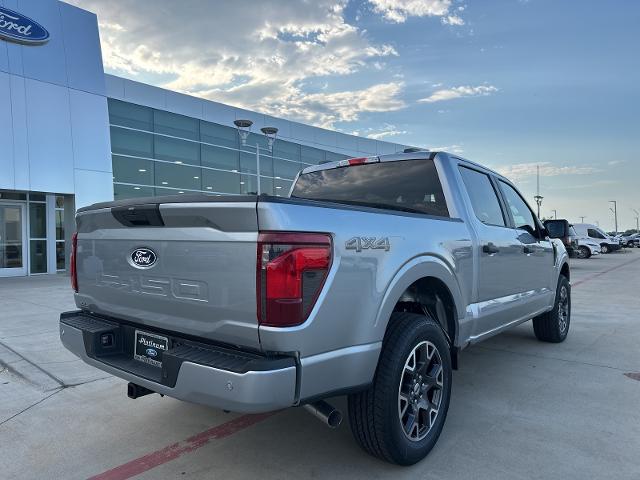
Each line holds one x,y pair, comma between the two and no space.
220,182
156,152
286,150
169,175
121,192
130,115
312,155
222,158
131,142
133,170
38,233
60,243
176,150
218,135
176,125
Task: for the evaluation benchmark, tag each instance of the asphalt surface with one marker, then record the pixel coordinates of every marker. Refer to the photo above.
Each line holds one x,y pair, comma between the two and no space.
520,409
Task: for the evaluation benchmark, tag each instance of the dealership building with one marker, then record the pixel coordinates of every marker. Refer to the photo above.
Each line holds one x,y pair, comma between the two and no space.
71,135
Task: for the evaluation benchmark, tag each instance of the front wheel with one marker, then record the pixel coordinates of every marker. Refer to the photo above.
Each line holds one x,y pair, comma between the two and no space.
583,252
604,248
553,326
400,417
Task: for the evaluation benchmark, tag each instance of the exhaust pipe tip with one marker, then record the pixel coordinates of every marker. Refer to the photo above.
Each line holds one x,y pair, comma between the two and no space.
334,420
325,412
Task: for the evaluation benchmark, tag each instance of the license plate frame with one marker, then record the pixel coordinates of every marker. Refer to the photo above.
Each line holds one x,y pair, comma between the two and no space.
146,343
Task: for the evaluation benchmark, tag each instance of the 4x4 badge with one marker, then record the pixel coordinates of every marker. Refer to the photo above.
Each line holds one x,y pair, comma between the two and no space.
363,243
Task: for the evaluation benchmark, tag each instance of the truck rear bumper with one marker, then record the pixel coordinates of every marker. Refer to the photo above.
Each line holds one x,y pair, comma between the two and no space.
205,374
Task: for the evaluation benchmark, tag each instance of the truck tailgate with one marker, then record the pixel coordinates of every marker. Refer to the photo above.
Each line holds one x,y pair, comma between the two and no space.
187,267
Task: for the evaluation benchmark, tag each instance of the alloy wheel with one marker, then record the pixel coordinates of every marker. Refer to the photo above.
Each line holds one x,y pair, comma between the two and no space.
563,309
420,391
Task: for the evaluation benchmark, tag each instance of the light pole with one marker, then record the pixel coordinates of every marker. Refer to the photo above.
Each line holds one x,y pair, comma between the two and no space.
555,214
244,128
637,220
615,213
582,217
538,198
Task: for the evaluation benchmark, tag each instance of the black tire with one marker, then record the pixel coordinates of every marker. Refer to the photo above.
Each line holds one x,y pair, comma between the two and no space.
375,414
605,248
584,252
553,326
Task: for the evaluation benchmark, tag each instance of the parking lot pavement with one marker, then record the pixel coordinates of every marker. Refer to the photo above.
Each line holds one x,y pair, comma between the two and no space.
519,409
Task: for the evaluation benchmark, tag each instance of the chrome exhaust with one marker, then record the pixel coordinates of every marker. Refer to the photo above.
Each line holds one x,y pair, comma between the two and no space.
326,413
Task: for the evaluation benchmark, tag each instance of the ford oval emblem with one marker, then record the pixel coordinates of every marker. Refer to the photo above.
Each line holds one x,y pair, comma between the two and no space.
151,352
20,29
143,258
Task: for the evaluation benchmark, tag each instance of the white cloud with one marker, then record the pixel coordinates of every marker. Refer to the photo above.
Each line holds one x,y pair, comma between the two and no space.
452,20
459,92
399,10
448,148
519,171
387,130
322,109
260,56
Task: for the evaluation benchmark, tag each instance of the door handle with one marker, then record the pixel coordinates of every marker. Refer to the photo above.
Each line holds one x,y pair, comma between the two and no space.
490,248
527,250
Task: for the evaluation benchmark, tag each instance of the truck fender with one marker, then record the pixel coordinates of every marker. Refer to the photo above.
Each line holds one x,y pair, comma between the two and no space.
415,269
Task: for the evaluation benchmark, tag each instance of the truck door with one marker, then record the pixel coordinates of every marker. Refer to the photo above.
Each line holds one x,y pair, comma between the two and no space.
535,277
499,255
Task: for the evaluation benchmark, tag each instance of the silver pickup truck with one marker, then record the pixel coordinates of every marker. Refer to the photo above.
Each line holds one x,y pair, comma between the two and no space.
366,281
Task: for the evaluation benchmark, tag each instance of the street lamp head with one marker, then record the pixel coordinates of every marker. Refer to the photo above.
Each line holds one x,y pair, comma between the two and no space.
270,133
243,123
244,127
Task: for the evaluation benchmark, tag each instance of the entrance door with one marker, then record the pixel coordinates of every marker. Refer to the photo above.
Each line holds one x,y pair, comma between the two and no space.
13,240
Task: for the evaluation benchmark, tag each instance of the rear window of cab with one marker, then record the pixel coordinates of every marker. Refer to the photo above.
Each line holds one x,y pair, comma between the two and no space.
404,185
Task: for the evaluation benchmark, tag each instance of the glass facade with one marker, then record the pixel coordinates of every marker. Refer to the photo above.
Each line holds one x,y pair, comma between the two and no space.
38,233
155,152
35,229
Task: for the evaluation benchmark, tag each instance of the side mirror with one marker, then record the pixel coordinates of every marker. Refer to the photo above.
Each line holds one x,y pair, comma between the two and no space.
557,228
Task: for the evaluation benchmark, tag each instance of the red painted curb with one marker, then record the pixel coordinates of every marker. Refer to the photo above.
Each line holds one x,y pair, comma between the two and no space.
176,450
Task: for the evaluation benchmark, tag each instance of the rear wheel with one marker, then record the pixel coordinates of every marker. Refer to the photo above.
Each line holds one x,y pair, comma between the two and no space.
553,326
400,417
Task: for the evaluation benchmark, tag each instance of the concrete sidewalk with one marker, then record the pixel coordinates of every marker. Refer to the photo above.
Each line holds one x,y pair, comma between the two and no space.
520,408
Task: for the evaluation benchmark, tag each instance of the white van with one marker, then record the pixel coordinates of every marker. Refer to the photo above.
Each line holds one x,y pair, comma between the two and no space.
595,233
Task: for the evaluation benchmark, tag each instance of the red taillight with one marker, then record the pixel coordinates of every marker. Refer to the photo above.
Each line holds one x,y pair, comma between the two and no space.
291,271
72,265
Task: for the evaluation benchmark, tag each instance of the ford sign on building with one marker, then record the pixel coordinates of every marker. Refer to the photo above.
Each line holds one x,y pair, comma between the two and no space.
18,28
71,136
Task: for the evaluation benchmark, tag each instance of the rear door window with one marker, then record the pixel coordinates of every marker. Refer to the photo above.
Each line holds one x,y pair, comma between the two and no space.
483,197
518,209
406,185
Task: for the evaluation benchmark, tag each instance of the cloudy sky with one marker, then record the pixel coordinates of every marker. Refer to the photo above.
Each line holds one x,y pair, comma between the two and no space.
509,83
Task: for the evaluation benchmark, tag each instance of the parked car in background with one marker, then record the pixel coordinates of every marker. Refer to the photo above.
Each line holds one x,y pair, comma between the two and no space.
585,246
577,246
607,243
561,229
630,240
